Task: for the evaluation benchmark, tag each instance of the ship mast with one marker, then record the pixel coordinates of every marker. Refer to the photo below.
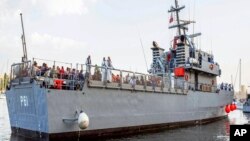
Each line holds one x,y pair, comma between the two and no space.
177,16
25,57
177,9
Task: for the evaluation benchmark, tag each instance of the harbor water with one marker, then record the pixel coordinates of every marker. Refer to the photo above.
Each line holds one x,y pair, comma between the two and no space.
216,131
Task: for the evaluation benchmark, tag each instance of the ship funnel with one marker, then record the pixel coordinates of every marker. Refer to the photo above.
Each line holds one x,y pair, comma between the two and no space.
83,120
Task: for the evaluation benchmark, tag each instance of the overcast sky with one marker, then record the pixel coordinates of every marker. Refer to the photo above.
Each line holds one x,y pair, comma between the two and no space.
70,30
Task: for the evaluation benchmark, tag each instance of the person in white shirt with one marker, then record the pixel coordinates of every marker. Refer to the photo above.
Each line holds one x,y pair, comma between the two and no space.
109,72
35,69
132,82
103,69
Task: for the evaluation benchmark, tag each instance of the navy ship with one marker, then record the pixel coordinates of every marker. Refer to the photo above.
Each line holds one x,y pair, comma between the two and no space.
246,105
98,101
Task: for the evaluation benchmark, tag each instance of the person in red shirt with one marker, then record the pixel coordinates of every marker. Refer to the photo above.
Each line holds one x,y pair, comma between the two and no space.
61,72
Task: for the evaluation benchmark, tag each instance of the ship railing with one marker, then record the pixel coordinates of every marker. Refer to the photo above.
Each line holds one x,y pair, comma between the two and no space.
61,82
20,73
103,77
225,86
50,63
50,78
99,77
48,68
128,80
203,87
45,66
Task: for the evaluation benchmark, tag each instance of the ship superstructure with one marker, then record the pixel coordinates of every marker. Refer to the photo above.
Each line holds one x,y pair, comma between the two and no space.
184,59
180,90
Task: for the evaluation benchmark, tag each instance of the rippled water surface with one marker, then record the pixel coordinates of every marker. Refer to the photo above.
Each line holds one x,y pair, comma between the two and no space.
5,132
217,131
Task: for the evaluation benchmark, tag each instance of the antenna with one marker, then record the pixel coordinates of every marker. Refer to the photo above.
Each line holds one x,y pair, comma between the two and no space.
238,69
231,79
211,46
239,74
194,16
236,74
143,51
25,57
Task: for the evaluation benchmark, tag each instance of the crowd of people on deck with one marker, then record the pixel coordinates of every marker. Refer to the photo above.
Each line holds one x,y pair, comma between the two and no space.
100,73
74,74
57,72
103,73
128,79
226,86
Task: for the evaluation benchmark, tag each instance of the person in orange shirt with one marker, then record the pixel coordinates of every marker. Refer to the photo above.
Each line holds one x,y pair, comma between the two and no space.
117,78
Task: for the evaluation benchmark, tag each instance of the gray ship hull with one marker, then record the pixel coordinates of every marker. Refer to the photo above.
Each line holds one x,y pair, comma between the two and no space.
50,112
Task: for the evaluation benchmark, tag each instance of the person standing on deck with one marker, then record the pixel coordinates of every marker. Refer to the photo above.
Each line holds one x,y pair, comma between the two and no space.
35,69
109,72
61,72
53,72
104,68
88,66
132,82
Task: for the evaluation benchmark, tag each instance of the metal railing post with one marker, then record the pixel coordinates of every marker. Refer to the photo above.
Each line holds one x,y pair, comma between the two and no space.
162,83
121,78
105,77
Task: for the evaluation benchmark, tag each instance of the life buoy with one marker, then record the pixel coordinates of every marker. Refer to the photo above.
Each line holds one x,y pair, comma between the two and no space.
186,77
211,67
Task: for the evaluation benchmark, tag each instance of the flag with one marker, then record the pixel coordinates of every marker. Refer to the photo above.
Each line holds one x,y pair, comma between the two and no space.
171,18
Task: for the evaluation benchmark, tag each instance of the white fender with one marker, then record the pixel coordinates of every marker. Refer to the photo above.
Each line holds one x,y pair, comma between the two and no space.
83,120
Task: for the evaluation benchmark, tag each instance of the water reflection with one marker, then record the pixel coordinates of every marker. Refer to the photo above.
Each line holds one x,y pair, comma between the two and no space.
217,131
238,117
4,120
